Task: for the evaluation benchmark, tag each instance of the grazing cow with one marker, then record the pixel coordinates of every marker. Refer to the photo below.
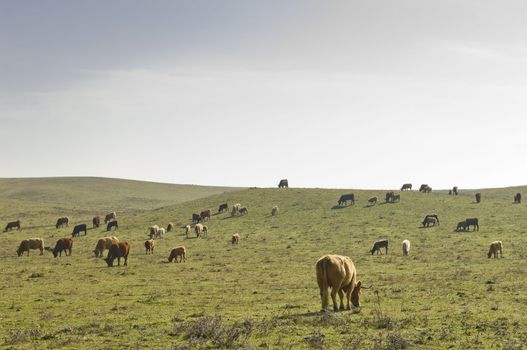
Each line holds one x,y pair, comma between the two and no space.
118,250
406,247
180,252
472,222
96,221
170,227
345,198
428,189
274,211
196,218
431,216
478,197
454,190
78,229
160,233
495,249
406,187
198,229
109,217
339,273
243,211
152,230
104,243
112,224
378,245
518,198
223,207
235,238
389,197
63,244
396,198
283,183
236,209
423,188
61,222
205,215
372,201
429,220
33,243
462,226
149,246
187,230
13,224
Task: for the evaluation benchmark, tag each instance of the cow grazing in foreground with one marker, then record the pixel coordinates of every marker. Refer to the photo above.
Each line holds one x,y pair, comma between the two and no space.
187,230
104,243
118,250
338,273
518,198
495,249
149,246
283,183
274,211
429,220
378,245
343,200
12,225
63,245
472,222
223,207
112,224
235,238
406,247
406,187
462,226
196,218
205,214
434,216
33,243
478,197
389,197
170,227
78,229
160,233
109,217
61,222
152,230
372,201
96,221
236,209
180,252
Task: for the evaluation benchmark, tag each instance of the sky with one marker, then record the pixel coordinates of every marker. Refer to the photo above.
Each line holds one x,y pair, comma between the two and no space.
339,94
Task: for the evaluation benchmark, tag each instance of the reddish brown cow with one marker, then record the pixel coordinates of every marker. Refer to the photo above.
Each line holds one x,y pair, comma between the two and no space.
118,250
12,225
63,244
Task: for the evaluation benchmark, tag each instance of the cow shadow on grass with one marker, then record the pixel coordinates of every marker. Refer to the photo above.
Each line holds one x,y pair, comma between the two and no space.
340,207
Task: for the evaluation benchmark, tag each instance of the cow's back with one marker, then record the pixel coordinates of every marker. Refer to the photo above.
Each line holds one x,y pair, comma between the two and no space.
337,270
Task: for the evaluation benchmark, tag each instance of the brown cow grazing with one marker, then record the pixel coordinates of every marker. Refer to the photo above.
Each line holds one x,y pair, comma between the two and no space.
109,217
13,224
170,227
378,245
187,230
205,214
372,201
339,273
283,183
118,250
472,222
478,197
61,222
235,238
96,221
406,187
33,243
180,252
496,249
462,226
149,246
63,244
518,198
104,243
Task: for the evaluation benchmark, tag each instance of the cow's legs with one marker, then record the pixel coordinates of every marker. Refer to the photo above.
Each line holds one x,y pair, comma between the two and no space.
334,298
341,296
126,261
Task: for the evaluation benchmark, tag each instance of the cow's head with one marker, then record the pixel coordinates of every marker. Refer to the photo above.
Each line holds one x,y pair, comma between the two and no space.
109,261
19,251
355,294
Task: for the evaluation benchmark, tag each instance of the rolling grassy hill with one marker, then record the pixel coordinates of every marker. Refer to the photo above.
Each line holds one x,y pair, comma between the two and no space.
262,293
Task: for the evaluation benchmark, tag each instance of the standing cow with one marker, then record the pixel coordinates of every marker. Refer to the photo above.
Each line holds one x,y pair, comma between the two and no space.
223,207
96,221
33,243
283,183
478,197
118,250
12,225
518,198
345,198
406,187
78,229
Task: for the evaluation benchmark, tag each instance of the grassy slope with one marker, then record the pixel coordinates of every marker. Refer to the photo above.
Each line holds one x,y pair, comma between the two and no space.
447,294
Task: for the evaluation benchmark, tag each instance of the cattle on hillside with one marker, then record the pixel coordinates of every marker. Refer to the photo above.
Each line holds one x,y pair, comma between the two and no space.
78,229
196,218
152,230
118,250
61,222
396,198
283,183
378,245
429,220
12,225
454,190
160,233
32,243
472,222
109,217
63,245
434,216
406,187
343,200
223,207
244,211
104,243
96,221
198,229
112,224
423,188
149,246
187,230
205,214
338,273
495,249
180,252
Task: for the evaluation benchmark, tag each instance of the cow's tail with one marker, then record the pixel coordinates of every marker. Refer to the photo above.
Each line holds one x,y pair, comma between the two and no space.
322,280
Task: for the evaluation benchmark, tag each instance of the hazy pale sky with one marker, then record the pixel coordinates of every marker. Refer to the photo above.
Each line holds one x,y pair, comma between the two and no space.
355,94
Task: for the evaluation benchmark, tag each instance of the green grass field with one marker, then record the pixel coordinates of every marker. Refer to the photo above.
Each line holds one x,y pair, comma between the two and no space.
262,293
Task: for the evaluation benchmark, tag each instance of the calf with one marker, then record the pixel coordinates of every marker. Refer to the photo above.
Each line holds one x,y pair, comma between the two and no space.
235,238
495,249
378,245
372,201
78,229
118,250
429,220
180,252
149,246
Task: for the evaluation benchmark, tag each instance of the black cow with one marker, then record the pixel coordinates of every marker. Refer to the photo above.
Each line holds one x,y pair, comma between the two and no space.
430,216
223,207
406,187
478,197
345,198
78,229
283,183
472,222
378,245
518,198
196,218
112,224
454,190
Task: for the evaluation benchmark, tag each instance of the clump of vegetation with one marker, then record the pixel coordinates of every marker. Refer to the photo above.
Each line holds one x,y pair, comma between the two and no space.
22,335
